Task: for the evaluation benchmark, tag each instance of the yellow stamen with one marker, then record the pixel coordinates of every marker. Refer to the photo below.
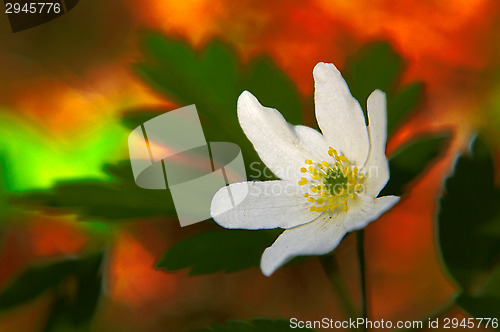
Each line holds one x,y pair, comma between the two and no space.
322,208
331,182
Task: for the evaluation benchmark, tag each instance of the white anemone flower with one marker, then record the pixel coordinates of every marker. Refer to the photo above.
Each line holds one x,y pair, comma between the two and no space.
329,182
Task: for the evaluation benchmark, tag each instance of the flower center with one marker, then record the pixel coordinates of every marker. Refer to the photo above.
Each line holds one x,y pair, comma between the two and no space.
331,184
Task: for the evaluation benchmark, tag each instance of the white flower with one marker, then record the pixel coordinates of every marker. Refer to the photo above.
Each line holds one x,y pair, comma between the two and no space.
329,182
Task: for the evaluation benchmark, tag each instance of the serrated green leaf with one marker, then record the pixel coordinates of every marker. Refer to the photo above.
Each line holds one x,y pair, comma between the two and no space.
220,250
255,325
470,203
212,79
411,160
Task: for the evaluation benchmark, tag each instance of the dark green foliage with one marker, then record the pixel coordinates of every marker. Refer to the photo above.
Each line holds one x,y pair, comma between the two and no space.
469,209
378,66
218,250
119,198
411,160
469,204
401,104
4,182
34,282
39,279
76,311
274,89
213,80
480,306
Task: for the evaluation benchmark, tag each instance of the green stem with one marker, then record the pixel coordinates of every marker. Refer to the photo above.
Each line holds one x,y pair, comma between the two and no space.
360,235
330,267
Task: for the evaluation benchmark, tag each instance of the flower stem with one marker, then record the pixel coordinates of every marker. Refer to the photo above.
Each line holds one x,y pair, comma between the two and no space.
360,236
330,267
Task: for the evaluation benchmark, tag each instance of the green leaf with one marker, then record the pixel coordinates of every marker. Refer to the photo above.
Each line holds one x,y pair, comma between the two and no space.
213,79
480,306
219,250
379,66
486,301
401,104
118,198
134,118
467,221
274,89
255,325
491,285
411,160
72,312
376,66
469,205
5,208
34,282
39,279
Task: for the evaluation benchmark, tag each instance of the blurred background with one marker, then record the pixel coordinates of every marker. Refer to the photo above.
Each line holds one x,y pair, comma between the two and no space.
67,84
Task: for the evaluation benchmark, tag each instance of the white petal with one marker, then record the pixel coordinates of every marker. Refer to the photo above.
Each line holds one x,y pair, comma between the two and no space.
324,234
314,143
315,238
281,146
377,167
366,209
339,115
261,205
